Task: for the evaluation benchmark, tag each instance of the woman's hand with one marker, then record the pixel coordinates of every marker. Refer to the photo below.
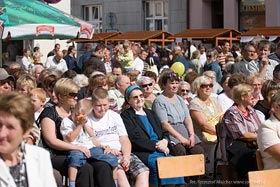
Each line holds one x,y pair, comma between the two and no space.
84,150
161,145
192,141
186,142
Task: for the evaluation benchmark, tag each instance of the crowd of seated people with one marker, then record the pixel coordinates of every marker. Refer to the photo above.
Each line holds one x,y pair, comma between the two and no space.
138,114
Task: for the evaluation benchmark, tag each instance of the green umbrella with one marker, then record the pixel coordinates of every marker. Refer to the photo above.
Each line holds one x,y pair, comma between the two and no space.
32,19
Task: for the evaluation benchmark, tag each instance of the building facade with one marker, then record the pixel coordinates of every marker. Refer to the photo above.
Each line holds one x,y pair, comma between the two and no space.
176,15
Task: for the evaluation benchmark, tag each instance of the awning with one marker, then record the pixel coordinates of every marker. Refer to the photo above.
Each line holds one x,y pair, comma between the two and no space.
143,36
269,33
98,37
207,34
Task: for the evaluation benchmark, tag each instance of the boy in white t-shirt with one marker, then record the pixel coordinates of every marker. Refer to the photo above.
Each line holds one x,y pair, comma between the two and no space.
109,130
76,131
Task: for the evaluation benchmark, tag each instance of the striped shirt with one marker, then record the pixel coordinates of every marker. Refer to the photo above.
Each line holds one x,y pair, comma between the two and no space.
273,56
236,124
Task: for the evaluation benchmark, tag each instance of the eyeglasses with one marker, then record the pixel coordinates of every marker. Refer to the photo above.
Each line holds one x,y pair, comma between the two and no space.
73,95
206,86
183,90
9,81
146,85
137,96
172,75
209,56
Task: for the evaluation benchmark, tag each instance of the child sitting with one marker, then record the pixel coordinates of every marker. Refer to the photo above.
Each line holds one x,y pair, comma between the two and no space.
76,131
38,99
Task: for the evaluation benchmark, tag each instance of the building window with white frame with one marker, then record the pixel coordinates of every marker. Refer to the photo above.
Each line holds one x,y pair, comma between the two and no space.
156,15
93,15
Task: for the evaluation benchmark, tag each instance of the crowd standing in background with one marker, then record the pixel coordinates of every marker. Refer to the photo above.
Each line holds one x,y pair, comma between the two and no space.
144,102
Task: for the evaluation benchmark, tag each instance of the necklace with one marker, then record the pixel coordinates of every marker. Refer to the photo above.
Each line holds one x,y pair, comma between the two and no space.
245,113
208,108
19,171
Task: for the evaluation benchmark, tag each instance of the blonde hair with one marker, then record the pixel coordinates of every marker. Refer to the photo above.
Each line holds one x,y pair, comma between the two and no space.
250,79
98,94
199,81
64,86
83,106
195,54
240,91
26,80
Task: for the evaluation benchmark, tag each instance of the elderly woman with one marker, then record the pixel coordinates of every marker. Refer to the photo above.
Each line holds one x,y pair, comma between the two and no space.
148,139
146,84
184,91
66,92
268,137
240,125
175,118
256,81
217,88
21,164
269,88
205,113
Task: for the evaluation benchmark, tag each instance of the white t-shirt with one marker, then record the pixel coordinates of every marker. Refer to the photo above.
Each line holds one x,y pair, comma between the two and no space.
224,101
138,65
61,65
108,129
83,139
26,63
202,59
269,135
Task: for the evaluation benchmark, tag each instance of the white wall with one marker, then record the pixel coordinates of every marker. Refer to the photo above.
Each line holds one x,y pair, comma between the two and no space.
48,45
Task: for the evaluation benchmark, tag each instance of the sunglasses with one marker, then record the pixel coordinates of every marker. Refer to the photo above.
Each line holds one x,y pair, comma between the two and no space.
137,96
172,75
9,81
209,56
183,90
73,95
146,85
206,86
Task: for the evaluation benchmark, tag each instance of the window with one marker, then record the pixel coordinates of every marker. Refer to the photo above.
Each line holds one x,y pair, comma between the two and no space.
156,15
93,15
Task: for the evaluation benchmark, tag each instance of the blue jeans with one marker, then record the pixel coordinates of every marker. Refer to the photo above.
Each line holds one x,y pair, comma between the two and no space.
78,158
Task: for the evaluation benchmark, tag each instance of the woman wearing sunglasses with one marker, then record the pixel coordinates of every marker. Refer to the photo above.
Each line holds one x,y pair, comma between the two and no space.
205,113
147,86
66,92
175,118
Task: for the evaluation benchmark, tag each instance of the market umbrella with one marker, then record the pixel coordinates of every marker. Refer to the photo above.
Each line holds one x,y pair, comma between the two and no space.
33,19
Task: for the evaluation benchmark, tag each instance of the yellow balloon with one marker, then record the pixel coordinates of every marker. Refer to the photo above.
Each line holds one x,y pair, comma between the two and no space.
178,67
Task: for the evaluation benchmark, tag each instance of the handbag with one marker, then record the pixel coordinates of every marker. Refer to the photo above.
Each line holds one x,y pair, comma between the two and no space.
211,137
153,66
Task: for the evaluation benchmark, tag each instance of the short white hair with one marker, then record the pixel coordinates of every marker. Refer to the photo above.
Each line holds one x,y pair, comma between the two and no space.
143,78
81,80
